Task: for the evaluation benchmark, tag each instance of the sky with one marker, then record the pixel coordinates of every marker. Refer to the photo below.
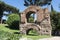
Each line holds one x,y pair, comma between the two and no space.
20,4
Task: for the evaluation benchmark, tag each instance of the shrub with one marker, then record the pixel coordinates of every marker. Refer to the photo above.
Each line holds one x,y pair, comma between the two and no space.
13,21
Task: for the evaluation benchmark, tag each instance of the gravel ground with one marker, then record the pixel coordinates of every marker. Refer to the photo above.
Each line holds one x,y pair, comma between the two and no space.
52,38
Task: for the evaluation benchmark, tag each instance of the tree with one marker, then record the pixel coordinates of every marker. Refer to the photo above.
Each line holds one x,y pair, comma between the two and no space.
13,21
55,22
8,8
37,2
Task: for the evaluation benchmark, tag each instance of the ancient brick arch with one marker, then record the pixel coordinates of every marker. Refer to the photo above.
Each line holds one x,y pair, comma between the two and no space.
28,15
42,24
32,27
29,26
34,9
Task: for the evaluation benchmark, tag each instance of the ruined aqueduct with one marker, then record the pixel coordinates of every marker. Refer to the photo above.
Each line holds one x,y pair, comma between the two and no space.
42,24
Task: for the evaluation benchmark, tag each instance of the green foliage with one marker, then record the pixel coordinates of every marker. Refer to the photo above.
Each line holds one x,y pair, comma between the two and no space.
33,33
37,2
55,20
8,8
13,21
53,14
31,19
9,36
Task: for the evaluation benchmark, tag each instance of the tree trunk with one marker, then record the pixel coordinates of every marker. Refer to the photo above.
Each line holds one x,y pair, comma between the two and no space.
0,20
1,14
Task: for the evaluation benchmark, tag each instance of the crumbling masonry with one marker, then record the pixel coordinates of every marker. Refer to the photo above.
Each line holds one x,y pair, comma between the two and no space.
42,24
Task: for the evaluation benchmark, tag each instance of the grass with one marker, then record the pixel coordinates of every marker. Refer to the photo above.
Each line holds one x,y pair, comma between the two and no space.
4,28
9,36
7,32
36,37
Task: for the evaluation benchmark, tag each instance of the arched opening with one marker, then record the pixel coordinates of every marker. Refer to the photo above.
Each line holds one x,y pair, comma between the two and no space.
31,17
32,32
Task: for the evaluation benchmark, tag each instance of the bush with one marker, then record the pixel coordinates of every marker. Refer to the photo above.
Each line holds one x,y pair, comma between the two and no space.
13,21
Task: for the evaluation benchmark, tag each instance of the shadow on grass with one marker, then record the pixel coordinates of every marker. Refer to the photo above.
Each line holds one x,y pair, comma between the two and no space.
16,32
32,35
11,27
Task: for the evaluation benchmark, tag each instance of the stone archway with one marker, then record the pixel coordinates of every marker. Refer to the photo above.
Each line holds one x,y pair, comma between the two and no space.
35,9
29,26
31,15
32,29
42,24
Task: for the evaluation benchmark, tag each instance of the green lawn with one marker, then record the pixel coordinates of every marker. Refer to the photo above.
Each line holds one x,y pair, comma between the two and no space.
36,37
6,29
6,32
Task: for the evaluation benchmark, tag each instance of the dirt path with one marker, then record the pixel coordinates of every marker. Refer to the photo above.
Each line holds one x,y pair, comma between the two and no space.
52,38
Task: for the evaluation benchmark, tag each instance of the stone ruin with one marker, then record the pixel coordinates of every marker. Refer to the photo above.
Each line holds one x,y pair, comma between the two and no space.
42,25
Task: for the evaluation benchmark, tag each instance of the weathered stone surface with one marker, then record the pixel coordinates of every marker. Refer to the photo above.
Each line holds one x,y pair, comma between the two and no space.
42,25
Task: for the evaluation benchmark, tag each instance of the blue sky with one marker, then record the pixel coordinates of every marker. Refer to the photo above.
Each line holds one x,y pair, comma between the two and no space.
20,4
